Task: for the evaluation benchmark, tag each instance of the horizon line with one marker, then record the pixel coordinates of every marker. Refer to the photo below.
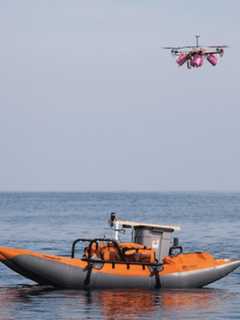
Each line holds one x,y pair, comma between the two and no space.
122,191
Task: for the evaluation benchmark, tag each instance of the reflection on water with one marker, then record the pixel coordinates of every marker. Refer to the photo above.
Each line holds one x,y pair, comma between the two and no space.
111,304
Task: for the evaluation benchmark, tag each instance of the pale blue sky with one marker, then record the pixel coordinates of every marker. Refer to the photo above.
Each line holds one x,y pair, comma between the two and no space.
90,101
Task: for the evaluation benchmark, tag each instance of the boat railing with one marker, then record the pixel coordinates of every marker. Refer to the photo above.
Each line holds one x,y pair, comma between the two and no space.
113,262
92,241
101,262
75,242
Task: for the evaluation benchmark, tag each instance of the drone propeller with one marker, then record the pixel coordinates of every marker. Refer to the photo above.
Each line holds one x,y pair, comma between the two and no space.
171,48
221,46
196,46
179,48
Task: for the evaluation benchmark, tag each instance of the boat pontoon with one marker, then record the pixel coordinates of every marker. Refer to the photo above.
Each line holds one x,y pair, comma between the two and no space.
153,259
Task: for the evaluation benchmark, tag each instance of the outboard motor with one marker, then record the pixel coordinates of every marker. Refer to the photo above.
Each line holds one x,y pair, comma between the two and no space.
212,58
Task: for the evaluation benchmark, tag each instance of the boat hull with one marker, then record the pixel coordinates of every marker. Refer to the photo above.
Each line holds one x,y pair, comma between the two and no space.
74,273
198,278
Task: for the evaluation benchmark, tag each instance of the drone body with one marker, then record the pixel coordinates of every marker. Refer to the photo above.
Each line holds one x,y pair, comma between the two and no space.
194,56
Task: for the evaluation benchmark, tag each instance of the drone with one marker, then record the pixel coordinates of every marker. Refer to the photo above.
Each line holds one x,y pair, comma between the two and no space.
194,56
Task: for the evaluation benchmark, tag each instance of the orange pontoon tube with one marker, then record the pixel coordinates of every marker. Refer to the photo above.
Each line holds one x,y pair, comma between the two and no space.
151,260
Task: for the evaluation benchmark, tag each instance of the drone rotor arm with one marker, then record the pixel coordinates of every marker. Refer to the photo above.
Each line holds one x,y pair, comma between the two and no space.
213,52
216,47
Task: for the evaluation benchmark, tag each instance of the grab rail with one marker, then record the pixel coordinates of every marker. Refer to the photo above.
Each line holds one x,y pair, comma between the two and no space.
115,243
92,241
75,243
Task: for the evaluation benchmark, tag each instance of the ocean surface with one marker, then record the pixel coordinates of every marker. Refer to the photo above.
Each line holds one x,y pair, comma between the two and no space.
49,222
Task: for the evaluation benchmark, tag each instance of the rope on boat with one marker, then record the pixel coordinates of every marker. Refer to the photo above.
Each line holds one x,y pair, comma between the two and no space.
155,272
88,268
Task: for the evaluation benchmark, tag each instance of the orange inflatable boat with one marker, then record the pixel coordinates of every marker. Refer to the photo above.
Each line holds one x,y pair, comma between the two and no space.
151,260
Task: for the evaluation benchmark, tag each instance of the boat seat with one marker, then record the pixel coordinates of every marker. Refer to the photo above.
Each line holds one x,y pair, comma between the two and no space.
137,252
95,251
109,252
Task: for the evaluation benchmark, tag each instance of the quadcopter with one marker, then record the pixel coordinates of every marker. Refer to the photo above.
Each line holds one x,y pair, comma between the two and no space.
195,55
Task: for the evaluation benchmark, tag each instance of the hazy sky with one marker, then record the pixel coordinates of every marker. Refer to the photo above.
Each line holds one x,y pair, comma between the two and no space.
90,101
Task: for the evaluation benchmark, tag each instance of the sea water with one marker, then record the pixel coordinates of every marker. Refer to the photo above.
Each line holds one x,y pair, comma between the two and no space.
49,222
